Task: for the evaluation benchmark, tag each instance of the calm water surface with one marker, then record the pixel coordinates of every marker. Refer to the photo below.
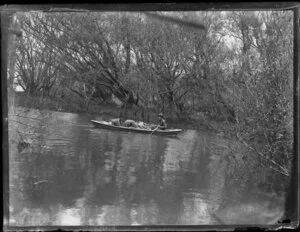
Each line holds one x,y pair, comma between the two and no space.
74,174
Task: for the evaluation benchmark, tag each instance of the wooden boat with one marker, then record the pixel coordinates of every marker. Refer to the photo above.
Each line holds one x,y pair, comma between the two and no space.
109,126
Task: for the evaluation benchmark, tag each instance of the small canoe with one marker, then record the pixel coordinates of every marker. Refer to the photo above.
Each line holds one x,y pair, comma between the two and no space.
107,125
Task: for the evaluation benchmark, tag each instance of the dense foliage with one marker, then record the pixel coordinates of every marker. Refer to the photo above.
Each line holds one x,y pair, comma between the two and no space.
237,71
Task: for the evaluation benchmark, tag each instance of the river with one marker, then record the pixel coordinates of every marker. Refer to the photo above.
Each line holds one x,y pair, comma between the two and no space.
74,174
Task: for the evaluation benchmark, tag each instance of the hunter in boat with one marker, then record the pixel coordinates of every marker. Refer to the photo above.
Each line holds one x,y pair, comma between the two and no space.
162,122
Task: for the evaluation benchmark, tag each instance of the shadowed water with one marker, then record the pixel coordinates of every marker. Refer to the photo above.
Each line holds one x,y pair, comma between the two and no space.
74,174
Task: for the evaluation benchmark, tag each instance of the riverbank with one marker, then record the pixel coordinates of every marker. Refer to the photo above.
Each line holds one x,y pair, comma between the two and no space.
106,111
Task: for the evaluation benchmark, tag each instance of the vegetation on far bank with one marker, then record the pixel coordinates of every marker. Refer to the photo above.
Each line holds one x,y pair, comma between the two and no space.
105,111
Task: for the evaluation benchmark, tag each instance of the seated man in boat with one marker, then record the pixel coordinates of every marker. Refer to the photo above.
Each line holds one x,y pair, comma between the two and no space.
162,125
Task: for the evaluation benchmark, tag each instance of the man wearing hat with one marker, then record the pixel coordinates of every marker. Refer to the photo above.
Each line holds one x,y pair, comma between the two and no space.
162,122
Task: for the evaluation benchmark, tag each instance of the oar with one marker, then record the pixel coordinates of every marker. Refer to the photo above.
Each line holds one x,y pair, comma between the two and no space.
154,130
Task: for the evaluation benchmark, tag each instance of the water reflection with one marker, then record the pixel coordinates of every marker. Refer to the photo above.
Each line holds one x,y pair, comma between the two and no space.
195,210
73,174
68,217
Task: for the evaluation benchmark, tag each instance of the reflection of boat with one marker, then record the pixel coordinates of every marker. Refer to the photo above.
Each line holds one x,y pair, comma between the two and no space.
107,125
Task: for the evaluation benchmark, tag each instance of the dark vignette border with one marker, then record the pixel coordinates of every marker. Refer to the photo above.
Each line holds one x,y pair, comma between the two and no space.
4,123
291,217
